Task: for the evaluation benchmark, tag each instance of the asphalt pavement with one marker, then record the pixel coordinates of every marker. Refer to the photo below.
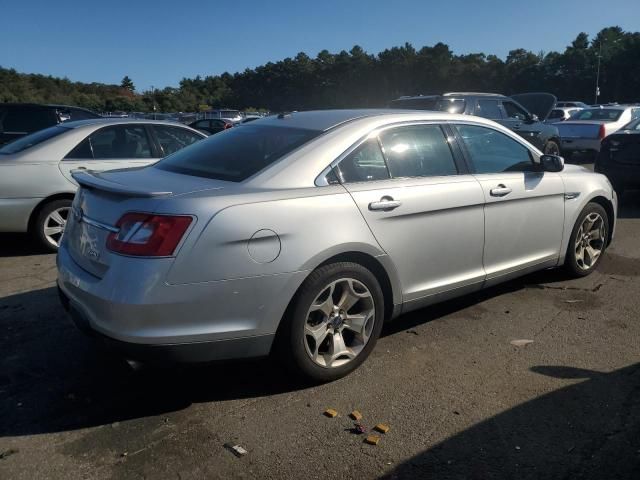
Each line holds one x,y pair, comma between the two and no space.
461,400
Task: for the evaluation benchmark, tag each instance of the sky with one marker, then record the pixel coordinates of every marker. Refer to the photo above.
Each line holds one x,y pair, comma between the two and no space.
160,42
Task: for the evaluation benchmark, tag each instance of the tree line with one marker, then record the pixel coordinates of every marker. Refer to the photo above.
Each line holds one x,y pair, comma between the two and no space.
360,79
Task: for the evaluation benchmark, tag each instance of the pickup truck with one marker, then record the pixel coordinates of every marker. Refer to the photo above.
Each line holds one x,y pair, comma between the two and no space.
585,129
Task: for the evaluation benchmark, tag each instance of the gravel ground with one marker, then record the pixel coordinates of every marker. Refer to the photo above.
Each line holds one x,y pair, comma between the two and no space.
461,400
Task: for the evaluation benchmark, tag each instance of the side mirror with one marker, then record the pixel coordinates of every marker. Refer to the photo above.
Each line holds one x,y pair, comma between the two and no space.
550,163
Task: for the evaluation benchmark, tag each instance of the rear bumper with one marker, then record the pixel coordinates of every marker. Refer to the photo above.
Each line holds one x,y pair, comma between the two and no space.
580,144
15,213
195,352
619,173
148,319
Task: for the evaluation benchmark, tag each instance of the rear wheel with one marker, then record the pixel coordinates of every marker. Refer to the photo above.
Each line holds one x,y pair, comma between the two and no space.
333,323
48,227
588,240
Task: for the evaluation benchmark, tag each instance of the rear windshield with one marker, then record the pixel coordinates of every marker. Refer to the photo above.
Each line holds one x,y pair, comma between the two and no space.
606,114
29,141
236,154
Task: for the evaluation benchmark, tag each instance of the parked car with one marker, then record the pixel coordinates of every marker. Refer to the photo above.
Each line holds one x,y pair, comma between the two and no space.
211,125
302,233
36,186
571,104
561,114
225,114
524,113
619,157
584,131
20,119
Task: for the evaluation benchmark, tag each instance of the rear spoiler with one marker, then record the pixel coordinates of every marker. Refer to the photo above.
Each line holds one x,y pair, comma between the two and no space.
89,179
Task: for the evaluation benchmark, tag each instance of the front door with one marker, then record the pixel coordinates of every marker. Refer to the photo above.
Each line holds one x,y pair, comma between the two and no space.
524,207
423,211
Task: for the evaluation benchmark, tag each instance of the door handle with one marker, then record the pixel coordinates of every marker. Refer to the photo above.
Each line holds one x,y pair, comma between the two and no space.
386,203
500,191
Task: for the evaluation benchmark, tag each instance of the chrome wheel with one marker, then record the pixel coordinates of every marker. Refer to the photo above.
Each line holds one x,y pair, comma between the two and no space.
590,241
339,323
53,226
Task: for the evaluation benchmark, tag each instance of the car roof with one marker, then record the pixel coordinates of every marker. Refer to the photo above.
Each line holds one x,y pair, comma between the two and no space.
323,120
117,121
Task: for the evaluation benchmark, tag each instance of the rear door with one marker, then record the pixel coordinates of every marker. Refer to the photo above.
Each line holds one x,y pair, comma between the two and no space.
524,208
423,208
108,148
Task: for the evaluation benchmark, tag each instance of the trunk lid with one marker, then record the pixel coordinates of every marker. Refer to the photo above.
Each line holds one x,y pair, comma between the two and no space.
539,103
579,129
103,198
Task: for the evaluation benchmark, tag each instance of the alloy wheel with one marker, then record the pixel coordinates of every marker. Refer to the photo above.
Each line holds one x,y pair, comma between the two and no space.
590,241
54,224
339,323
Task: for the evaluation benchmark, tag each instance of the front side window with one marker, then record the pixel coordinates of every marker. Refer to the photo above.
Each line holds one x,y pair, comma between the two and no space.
237,153
494,152
513,111
120,142
173,139
417,151
488,109
364,164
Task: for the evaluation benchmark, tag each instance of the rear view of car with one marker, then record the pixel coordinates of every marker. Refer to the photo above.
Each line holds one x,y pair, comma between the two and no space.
619,157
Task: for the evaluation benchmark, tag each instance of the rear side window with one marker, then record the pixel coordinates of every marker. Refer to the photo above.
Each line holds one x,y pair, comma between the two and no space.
492,151
417,151
452,105
35,138
172,139
119,142
364,164
488,109
237,153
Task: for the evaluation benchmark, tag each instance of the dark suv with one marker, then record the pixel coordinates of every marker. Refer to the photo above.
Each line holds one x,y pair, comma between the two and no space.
20,119
508,111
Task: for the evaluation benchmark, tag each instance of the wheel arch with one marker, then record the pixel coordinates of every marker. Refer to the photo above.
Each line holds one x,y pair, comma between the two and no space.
608,207
45,201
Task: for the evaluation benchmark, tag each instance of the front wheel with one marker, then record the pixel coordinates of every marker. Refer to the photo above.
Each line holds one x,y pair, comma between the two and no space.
334,322
551,148
588,240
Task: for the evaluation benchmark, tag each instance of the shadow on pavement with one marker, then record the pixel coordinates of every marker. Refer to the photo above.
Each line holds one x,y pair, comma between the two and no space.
629,204
589,430
18,244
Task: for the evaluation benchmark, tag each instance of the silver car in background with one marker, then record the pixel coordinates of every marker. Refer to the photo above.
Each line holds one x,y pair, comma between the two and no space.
36,186
300,234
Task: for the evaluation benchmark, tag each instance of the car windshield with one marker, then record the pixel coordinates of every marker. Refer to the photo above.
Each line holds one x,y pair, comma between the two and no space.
604,114
236,154
29,141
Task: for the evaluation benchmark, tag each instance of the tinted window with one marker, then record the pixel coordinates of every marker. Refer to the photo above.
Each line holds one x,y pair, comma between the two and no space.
365,163
77,114
492,151
417,151
451,105
605,114
173,139
25,119
634,125
237,153
488,109
121,141
556,113
31,140
426,103
201,124
81,151
514,111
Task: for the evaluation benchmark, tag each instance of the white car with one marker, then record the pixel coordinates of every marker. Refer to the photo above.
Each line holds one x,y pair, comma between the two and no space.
36,187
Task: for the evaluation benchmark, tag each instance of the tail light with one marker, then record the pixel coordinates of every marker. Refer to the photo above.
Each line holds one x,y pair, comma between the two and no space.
147,235
601,132
227,126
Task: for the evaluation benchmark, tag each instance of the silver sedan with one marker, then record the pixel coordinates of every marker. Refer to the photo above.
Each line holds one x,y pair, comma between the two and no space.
300,234
36,187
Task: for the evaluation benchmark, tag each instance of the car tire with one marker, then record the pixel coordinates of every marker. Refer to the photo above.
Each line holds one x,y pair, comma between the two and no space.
49,217
580,260
296,348
551,148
